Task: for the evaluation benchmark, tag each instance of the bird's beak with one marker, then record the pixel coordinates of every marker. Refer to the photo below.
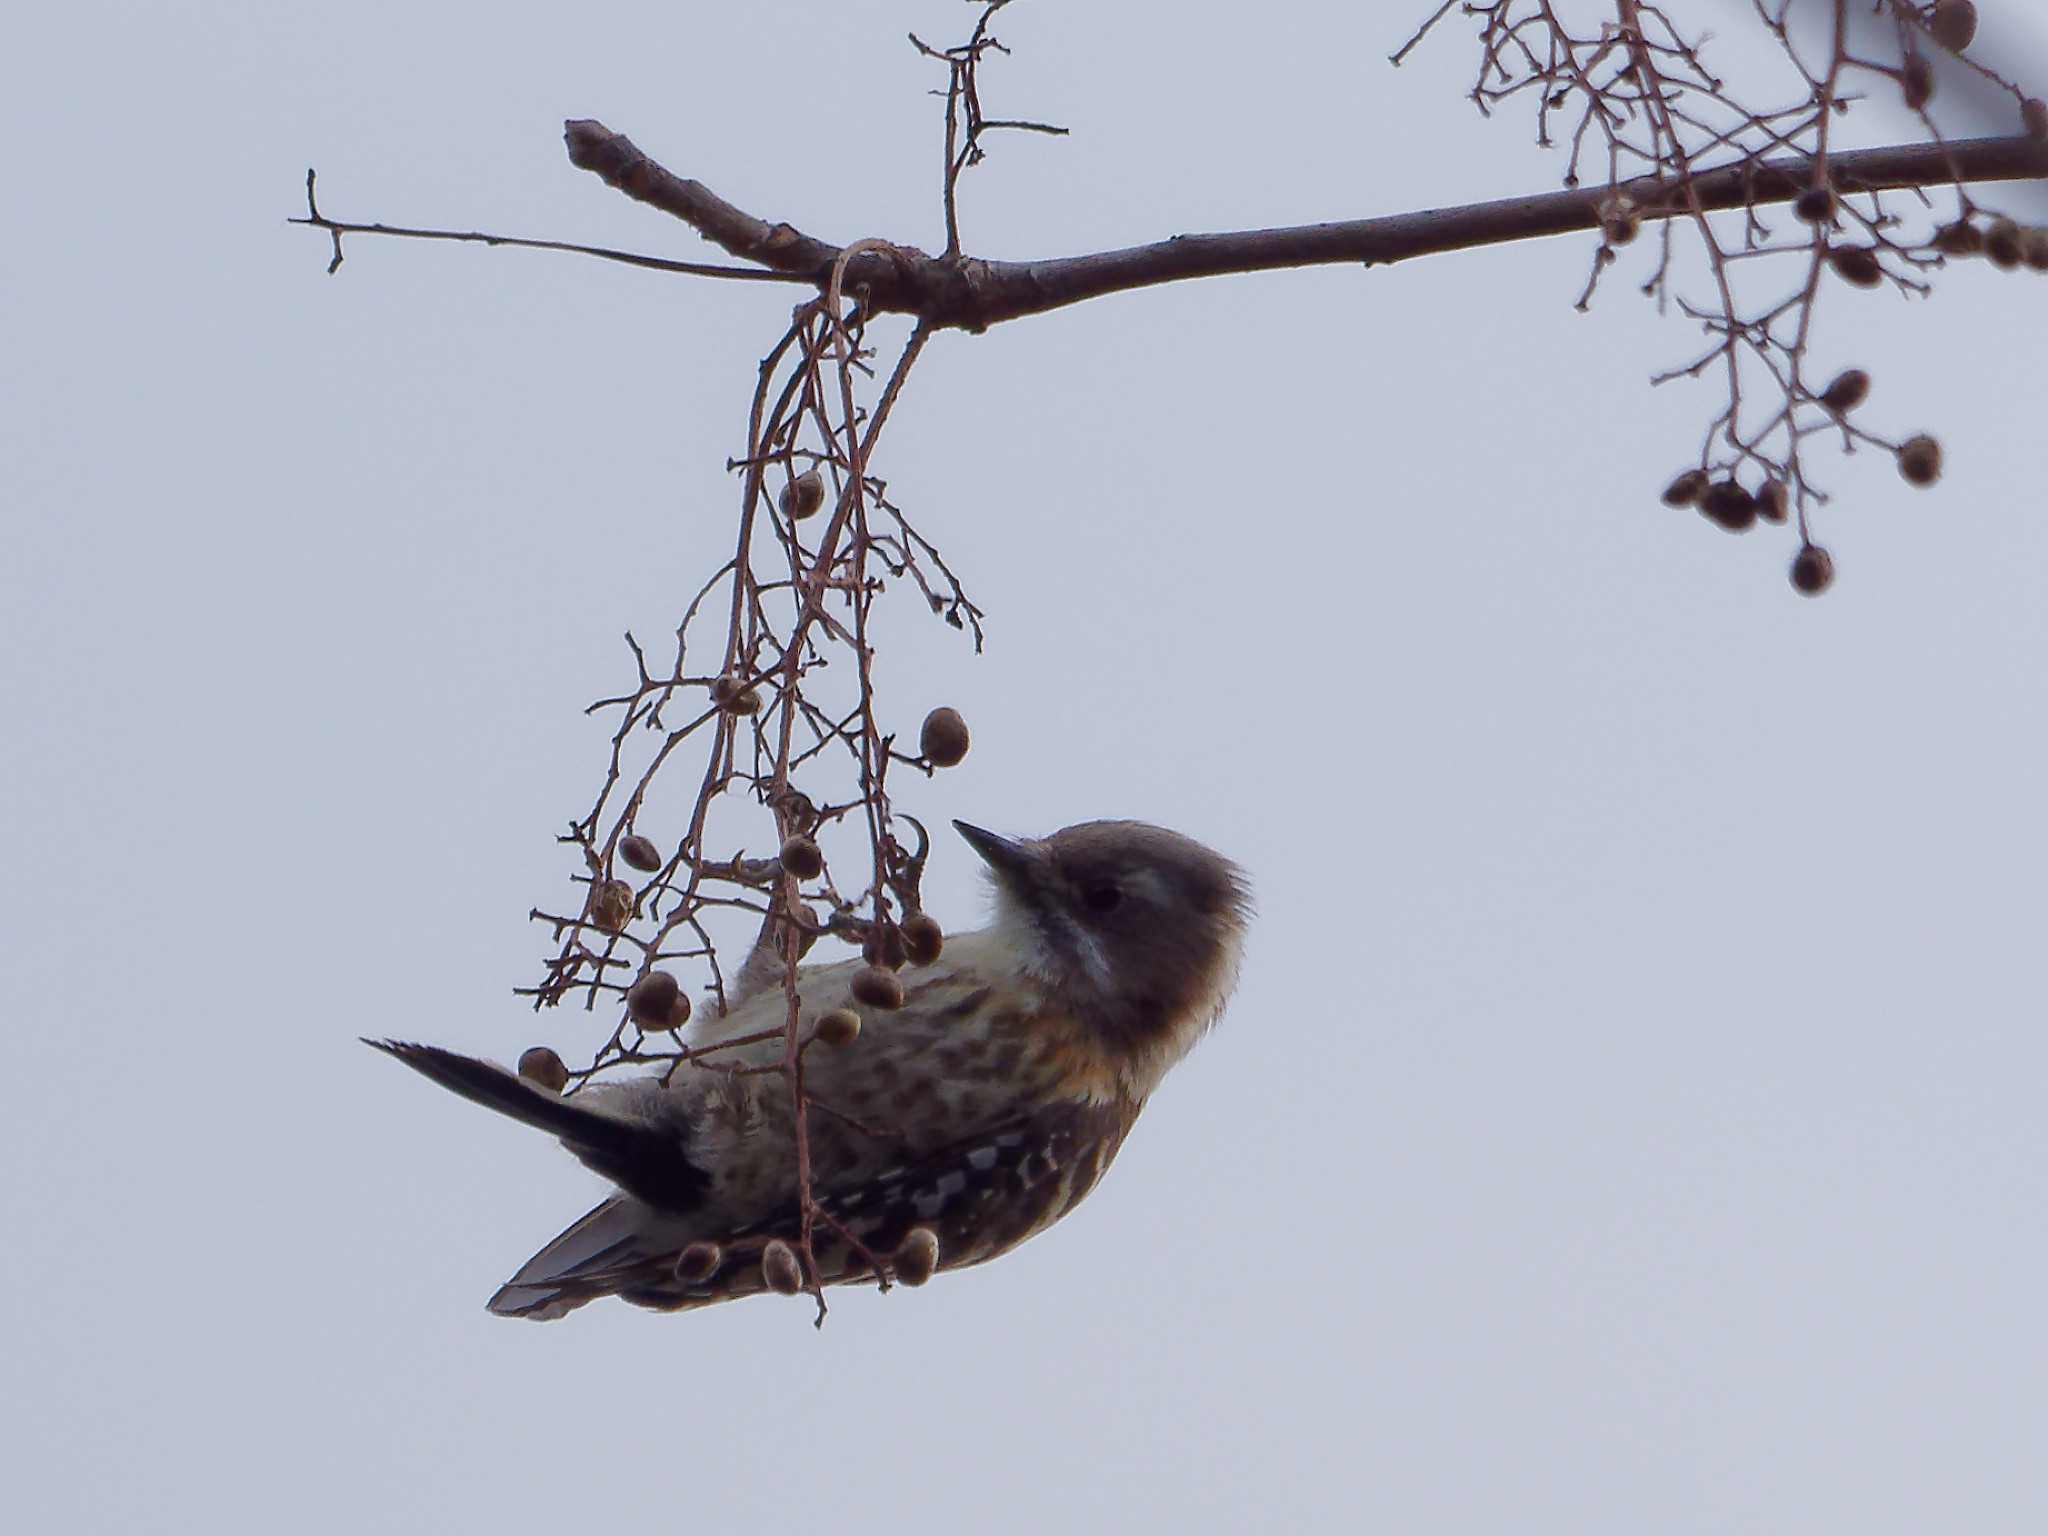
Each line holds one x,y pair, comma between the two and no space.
1011,860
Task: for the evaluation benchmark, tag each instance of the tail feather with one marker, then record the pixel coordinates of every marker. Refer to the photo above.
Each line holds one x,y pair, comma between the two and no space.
644,1159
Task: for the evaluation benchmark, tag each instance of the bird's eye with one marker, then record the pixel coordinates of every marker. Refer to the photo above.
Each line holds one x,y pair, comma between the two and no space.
1101,896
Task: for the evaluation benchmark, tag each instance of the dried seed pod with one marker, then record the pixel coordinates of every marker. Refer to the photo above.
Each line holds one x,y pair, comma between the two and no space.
1961,238
1856,264
805,922
2034,248
1920,459
1953,24
838,1028
1813,570
779,1268
1686,489
2034,114
731,693
538,1064
877,988
1846,390
699,1262
611,905
1727,503
922,938
943,737
884,946
2002,244
639,853
916,1258
1916,81
802,858
1771,501
656,1002
1620,219
797,809
1816,205
803,496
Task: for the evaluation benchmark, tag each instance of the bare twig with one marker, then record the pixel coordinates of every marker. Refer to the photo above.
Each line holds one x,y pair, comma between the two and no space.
336,228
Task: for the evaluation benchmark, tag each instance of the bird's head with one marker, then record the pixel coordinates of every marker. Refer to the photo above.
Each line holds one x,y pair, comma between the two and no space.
1134,928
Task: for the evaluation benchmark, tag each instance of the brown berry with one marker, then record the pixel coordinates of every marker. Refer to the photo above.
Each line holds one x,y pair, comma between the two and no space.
611,905
731,694
698,1262
943,737
877,988
1953,24
1686,489
2002,244
656,1002
884,947
780,1269
922,939
838,1028
802,858
1856,264
1816,205
2034,248
640,853
1846,390
1813,570
538,1064
805,921
1771,501
1961,238
1620,219
916,1258
2034,114
1727,503
1920,459
803,496
1916,81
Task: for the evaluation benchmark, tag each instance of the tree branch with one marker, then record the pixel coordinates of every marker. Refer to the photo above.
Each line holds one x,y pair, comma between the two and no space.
972,294
337,228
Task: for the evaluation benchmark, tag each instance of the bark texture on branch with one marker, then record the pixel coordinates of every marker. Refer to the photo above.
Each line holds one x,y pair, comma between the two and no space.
972,294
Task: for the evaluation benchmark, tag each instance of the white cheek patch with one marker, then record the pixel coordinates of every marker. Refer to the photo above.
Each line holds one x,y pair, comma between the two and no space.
1019,931
1037,953
1093,958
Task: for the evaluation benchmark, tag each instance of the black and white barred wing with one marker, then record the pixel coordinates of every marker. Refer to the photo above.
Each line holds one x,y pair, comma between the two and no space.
980,1197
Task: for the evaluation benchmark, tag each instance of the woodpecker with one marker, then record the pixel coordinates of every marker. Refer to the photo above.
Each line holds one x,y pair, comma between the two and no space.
977,1114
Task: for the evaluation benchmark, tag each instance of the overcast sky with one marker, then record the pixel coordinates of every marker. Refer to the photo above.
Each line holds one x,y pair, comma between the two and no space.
1631,1118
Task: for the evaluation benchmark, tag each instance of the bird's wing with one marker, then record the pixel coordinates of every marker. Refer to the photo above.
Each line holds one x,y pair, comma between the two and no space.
980,1196
618,1239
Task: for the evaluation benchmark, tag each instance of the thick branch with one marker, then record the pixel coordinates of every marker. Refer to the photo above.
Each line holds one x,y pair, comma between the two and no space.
618,160
973,294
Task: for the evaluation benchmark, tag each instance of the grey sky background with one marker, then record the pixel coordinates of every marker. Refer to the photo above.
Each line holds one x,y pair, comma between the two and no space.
1631,1116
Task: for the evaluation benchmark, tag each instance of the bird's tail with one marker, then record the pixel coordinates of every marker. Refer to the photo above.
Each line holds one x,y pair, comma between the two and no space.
648,1158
